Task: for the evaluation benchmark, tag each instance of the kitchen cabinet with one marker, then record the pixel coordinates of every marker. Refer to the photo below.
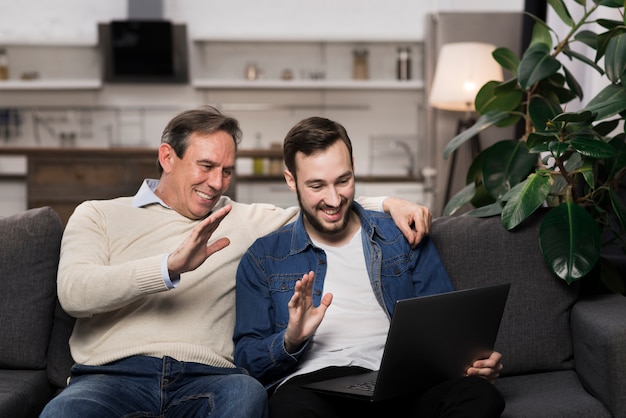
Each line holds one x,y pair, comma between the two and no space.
62,178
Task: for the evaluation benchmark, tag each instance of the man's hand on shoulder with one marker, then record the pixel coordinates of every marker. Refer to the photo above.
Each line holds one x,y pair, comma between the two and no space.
412,219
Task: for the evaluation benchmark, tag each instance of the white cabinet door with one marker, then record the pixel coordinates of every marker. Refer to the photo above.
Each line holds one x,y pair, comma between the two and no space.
276,193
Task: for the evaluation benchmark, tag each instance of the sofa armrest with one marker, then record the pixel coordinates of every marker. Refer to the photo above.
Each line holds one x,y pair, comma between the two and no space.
599,342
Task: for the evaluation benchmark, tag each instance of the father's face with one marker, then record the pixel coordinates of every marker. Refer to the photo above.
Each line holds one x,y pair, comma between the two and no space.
197,181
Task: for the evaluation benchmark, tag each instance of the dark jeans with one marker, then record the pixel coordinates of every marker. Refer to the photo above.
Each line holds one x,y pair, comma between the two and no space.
142,386
462,397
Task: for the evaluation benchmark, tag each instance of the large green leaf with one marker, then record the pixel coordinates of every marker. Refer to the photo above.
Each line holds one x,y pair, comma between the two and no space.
615,57
492,209
541,111
523,199
561,10
507,59
463,197
505,164
587,37
539,141
496,96
573,84
569,238
536,65
606,127
603,39
541,34
584,59
610,3
592,147
584,116
484,122
557,148
609,102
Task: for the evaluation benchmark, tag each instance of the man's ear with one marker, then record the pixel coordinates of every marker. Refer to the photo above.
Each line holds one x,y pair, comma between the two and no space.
166,156
290,179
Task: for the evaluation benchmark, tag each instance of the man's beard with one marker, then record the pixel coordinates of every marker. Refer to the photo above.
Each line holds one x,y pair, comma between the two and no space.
317,225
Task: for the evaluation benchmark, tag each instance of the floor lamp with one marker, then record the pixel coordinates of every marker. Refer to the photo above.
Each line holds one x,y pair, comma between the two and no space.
462,69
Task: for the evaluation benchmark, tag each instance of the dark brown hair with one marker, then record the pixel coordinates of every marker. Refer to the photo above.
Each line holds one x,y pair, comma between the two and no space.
205,120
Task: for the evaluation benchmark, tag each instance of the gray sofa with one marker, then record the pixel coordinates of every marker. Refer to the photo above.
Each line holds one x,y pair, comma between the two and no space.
564,355
34,330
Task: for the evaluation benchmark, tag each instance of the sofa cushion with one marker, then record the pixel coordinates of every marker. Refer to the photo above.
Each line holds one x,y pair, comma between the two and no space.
59,358
549,395
535,330
23,393
29,256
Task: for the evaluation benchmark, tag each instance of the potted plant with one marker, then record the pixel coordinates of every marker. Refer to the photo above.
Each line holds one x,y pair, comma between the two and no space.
571,161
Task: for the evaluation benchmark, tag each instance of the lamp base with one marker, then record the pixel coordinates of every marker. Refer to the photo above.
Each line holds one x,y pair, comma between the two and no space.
462,125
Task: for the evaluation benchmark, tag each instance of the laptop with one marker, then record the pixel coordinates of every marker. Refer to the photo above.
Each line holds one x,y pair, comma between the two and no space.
430,339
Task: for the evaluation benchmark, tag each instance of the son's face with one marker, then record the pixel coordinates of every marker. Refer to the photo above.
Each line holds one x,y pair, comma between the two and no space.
325,187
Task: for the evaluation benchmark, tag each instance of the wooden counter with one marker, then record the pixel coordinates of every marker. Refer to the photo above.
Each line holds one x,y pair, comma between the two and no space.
62,178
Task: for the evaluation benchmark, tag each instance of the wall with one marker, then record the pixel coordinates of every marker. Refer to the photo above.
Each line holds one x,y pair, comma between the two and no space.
74,22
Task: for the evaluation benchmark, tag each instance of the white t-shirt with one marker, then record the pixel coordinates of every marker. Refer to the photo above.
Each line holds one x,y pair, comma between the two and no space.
354,329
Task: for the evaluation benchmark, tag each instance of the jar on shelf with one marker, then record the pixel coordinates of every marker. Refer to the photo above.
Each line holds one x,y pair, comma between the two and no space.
276,163
360,70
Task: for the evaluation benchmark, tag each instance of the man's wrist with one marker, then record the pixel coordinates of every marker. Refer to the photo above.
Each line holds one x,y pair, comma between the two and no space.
386,204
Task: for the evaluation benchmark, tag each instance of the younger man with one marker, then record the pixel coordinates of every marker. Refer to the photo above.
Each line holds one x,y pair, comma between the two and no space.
287,333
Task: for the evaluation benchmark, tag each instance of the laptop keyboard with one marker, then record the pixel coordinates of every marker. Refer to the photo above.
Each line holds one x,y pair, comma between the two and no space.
367,386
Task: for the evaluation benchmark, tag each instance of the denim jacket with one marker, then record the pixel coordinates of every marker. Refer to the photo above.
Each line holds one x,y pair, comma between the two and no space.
270,268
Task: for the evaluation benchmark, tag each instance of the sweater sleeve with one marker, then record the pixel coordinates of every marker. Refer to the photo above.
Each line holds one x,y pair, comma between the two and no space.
87,283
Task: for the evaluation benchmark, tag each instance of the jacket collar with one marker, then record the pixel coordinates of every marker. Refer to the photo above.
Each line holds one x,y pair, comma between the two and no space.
300,239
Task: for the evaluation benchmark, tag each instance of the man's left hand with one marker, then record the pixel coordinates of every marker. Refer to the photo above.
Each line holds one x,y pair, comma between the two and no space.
489,368
412,219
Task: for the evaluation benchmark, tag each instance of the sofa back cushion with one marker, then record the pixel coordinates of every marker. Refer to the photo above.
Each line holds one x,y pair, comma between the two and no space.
535,332
29,256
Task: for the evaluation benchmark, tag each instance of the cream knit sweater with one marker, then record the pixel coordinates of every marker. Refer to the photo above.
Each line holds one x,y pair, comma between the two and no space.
110,279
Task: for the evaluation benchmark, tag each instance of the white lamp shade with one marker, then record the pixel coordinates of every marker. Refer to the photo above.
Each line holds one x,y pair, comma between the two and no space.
462,69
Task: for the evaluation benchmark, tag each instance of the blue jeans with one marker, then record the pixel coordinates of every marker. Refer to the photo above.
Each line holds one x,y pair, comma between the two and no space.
142,386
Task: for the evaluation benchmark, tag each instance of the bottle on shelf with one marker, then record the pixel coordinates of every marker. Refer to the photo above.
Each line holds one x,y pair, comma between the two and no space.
258,165
4,64
404,63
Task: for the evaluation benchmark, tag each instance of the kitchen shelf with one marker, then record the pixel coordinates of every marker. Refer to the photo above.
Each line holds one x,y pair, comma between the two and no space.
60,84
222,63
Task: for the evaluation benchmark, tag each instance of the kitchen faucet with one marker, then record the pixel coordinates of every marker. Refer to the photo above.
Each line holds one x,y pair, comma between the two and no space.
395,145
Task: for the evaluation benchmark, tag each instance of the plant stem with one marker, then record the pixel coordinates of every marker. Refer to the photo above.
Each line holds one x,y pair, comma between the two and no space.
561,45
